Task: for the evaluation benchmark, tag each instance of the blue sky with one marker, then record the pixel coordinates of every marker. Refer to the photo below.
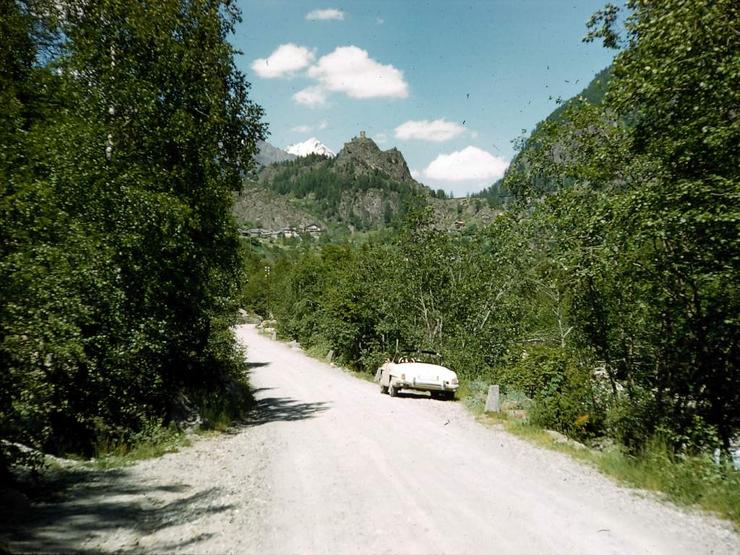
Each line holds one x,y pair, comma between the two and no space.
450,83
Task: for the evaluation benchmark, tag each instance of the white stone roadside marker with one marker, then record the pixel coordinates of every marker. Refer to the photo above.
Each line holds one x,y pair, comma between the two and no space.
492,402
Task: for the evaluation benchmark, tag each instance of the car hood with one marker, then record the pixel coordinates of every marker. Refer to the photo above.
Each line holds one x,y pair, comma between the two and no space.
423,371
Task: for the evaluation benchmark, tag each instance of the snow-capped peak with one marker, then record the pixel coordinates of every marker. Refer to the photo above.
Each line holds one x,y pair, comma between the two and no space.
310,146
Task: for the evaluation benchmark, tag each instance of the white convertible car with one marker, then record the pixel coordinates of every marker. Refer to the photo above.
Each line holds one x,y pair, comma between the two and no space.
407,373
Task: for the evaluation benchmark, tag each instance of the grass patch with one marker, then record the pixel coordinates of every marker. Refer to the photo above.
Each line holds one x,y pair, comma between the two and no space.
150,443
689,481
319,351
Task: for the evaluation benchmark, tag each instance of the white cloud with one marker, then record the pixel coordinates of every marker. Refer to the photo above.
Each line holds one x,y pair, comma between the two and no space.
323,124
468,164
285,60
311,97
323,15
416,174
437,131
351,70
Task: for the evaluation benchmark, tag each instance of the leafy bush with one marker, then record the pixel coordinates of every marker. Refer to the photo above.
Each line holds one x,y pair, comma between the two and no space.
562,392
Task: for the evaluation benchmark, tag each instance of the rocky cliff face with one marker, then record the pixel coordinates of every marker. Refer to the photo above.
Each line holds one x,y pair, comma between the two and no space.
361,156
255,206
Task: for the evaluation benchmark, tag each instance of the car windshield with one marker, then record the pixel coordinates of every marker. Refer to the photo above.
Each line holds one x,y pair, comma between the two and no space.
428,357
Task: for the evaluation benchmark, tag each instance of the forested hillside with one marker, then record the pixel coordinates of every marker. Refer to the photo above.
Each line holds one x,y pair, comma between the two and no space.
605,299
124,129
497,196
362,189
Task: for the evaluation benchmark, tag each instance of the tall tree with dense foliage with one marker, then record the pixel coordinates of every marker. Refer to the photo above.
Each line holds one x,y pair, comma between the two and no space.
122,255
655,296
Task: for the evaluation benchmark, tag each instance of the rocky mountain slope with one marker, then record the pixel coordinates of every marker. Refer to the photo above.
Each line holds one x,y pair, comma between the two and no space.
257,207
361,156
361,188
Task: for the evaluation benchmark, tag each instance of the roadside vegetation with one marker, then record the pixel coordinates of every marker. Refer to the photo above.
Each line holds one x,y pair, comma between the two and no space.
605,298
124,129
696,480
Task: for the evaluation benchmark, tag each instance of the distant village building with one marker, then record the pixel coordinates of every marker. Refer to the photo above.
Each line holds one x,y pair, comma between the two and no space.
289,232
254,232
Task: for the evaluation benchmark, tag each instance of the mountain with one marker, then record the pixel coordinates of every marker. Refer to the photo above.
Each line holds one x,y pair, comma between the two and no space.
361,156
361,188
310,146
257,207
268,154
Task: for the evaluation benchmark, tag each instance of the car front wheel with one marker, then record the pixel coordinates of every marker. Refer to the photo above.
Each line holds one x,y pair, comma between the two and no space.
392,390
383,389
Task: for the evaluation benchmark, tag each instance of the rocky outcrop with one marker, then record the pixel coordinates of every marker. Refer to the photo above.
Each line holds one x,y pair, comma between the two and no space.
255,206
361,155
362,188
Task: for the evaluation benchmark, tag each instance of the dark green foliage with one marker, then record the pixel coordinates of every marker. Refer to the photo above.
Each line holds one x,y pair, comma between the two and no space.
495,195
120,258
566,398
654,285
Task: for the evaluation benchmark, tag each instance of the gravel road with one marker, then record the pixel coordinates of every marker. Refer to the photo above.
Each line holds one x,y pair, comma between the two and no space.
329,465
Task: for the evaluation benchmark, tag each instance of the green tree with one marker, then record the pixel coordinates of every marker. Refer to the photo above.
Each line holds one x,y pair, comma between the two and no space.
654,275
118,295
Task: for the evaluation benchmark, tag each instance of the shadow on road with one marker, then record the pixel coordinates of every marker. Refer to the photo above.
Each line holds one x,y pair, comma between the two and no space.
408,394
251,365
76,506
285,409
105,503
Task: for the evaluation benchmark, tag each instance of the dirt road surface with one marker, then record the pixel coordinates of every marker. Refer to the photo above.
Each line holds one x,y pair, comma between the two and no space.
328,465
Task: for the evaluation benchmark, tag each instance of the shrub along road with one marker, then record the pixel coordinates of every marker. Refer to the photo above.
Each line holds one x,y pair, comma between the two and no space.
327,464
